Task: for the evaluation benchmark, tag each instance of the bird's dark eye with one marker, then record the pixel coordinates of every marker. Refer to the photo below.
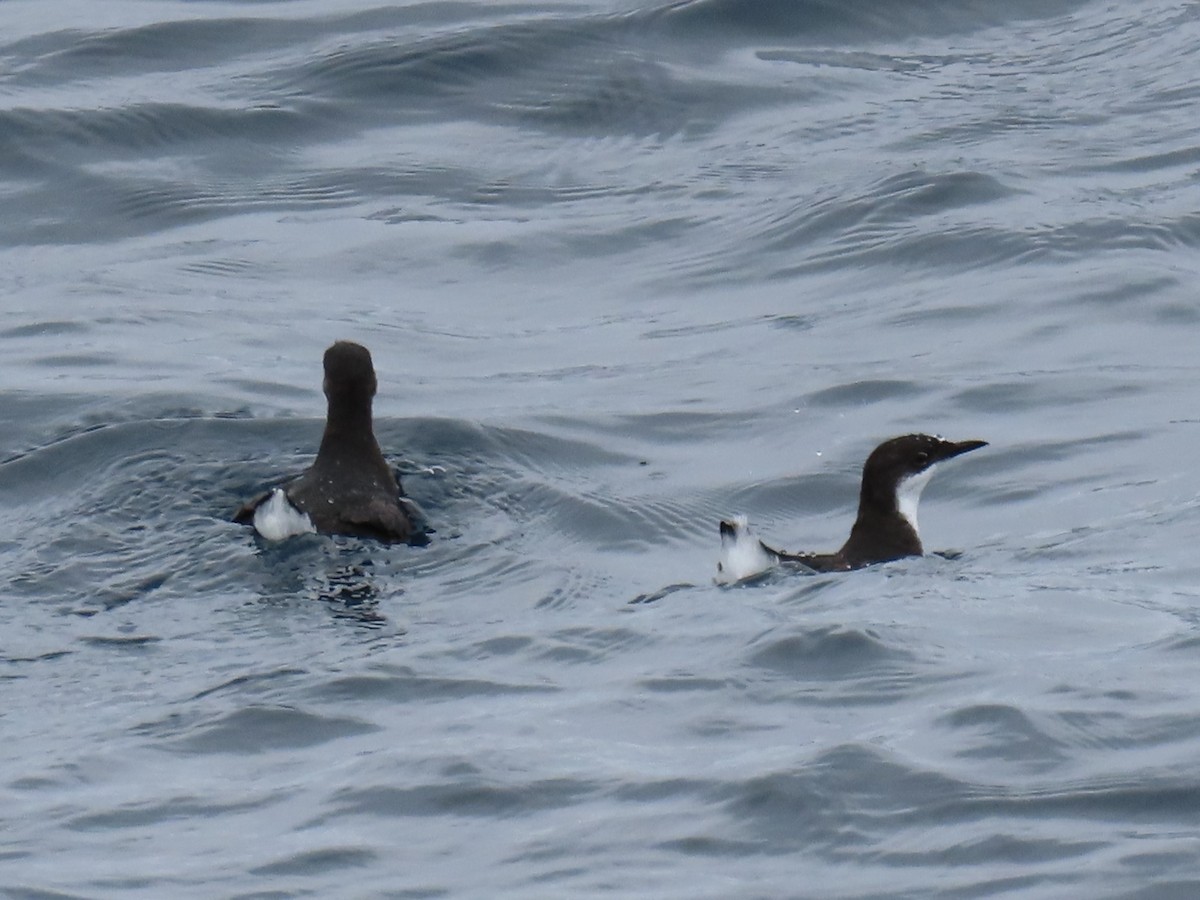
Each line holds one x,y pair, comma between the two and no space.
923,456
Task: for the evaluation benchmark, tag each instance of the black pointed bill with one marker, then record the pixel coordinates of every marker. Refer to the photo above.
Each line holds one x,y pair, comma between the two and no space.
951,449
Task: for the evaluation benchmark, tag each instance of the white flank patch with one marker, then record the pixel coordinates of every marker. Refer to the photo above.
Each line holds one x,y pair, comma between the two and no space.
742,554
276,518
908,495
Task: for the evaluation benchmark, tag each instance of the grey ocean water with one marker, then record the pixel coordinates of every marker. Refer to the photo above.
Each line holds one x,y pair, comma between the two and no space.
624,269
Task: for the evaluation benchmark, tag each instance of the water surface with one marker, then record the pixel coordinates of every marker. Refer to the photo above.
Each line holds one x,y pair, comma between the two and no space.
624,270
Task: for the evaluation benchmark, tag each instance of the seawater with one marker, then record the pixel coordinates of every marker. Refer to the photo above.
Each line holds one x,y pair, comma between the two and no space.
624,270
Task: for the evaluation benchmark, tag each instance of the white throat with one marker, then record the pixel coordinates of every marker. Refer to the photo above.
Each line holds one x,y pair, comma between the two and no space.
908,496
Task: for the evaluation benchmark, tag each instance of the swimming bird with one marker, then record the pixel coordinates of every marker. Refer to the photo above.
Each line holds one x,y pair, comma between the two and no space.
349,488
886,528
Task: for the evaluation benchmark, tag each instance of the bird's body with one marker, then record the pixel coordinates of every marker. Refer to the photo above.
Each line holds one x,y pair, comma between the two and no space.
886,526
349,488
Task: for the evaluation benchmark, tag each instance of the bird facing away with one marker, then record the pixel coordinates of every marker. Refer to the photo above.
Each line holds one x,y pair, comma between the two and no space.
349,488
886,528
